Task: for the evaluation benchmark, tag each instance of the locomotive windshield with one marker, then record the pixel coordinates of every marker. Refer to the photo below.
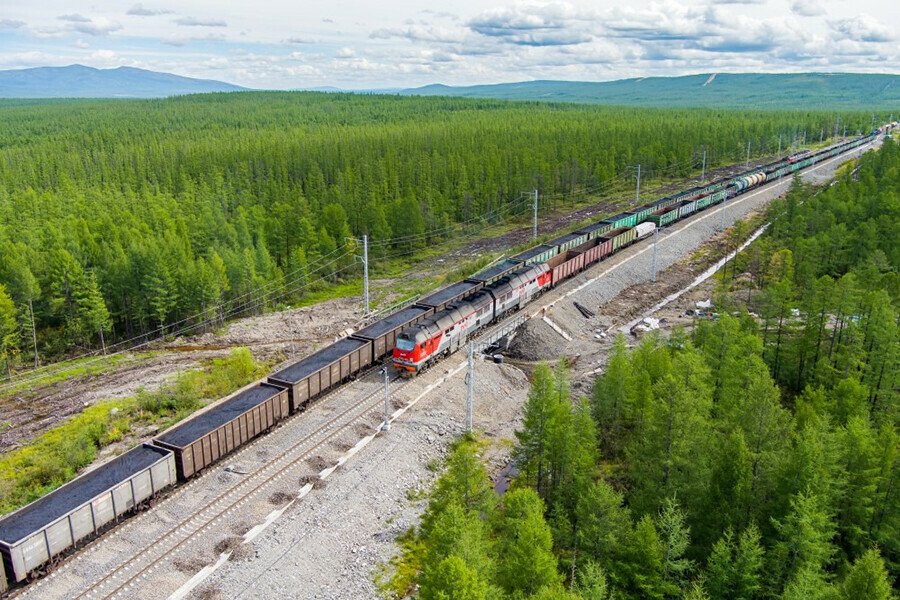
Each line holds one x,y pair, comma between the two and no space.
405,345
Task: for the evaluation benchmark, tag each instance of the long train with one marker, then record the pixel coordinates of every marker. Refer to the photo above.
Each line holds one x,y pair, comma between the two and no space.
34,537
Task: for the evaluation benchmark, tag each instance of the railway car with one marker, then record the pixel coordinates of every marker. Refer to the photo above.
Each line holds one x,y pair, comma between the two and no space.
664,216
564,265
643,230
324,370
642,213
595,230
383,334
3,584
39,532
619,237
494,272
591,250
538,254
225,426
442,333
567,242
448,295
624,219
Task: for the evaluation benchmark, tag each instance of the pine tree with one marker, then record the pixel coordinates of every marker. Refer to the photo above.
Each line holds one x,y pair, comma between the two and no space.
533,448
867,579
804,547
674,536
91,311
9,330
525,546
451,579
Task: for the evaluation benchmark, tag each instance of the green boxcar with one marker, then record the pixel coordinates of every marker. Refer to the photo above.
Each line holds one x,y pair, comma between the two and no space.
664,216
569,241
718,196
703,202
621,236
538,254
622,220
641,213
595,230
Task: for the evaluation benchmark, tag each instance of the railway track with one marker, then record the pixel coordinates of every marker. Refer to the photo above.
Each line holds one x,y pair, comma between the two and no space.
124,578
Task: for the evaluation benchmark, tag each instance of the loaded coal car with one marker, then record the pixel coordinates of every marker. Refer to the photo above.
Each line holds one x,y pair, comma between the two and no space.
225,426
624,219
448,295
538,254
642,213
567,242
664,216
39,532
619,237
595,230
326,369
494,272
383,334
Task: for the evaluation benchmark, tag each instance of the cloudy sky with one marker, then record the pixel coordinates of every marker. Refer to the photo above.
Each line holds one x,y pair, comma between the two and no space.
360,44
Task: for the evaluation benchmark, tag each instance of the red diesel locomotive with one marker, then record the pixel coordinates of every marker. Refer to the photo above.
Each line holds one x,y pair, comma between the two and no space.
442,333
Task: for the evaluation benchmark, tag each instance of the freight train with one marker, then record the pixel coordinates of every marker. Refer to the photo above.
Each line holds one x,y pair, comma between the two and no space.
37,535
529,274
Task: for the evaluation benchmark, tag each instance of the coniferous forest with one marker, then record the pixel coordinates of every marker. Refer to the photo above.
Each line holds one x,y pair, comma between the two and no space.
753,457
127,218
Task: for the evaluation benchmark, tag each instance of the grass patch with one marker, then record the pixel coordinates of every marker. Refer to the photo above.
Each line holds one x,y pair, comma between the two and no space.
78,368
58,455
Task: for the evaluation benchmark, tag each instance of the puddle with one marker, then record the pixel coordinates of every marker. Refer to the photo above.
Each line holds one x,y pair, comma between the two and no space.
505,477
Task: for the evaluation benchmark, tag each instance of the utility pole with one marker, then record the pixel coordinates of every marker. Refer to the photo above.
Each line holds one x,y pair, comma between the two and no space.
804,138
366,271
779,145
837,126
365,263
821,135
534,229
386,425
747,164
637,193
724,205
291,326
845,131
703,171
470,385
655,244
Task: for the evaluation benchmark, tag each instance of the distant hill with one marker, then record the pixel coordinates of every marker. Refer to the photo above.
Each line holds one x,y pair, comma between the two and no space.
77,81
845,91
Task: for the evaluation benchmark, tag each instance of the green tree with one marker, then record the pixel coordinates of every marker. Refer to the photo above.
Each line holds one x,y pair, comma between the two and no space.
452,580
525,546
9,330
867,579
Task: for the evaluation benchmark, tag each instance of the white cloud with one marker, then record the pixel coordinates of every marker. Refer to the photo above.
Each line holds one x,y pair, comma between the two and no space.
138,10
74,18
862,28
808,8
192,22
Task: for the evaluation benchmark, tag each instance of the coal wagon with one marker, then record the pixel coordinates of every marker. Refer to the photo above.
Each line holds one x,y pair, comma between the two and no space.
225,426
39,532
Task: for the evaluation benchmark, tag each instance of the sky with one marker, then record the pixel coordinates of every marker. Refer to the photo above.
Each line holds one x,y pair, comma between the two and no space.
360,44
